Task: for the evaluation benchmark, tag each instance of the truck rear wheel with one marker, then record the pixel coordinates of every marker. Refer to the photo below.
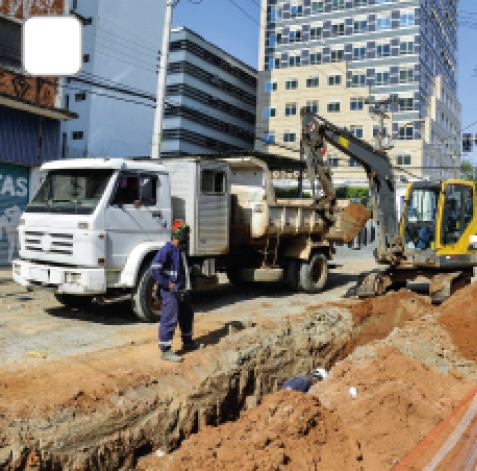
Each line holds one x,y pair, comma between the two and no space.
236,278
72,300
314,273
144,303
293,274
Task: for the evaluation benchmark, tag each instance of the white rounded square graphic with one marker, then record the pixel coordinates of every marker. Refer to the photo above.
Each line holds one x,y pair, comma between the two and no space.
52,45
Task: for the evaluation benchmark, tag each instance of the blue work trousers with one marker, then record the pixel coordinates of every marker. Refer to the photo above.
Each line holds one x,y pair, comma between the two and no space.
174,312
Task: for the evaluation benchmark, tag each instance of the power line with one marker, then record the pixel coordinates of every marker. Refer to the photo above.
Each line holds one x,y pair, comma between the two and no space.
245,13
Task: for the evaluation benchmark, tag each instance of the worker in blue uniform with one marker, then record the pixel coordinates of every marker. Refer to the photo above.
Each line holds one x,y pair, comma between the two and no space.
169,268
304,383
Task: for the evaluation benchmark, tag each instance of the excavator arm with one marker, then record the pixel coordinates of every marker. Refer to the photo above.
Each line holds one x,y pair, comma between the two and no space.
316,131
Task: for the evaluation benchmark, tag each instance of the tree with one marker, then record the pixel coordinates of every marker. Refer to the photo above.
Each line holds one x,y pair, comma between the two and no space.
466,170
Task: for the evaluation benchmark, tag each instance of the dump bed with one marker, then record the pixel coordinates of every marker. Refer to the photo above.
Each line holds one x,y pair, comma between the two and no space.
256,213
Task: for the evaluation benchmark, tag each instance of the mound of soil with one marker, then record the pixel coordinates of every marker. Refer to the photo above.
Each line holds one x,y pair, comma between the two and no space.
399,401
289,430
459,318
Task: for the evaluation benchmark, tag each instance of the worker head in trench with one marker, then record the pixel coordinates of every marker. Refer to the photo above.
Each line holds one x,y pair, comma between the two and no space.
304,383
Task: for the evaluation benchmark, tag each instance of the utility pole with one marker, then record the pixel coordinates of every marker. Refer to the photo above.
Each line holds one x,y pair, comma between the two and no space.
382,115
161,83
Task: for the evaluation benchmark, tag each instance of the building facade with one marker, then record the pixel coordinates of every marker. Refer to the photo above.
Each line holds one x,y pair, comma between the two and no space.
114,93
210,99
30,117
331,55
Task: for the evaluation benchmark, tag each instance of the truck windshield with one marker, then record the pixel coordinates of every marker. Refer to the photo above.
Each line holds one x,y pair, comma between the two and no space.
70,191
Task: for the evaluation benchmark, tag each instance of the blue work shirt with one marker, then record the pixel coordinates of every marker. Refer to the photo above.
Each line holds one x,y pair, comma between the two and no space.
298,383
167,266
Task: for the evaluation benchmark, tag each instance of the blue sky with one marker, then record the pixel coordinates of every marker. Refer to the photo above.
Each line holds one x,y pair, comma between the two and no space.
223,24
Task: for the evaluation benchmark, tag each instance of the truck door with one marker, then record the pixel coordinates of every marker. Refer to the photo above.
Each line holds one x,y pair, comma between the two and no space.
134,215
457,212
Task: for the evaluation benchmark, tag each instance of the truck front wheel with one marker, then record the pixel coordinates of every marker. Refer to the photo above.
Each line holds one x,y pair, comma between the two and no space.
72,300
144,303
314,273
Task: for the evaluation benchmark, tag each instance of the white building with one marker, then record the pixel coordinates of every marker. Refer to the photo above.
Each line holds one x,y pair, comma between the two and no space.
121,40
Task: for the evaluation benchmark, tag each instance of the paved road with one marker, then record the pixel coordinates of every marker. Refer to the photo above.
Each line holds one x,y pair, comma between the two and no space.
36,322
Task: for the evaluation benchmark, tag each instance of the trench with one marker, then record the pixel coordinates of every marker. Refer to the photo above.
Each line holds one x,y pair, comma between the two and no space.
243,368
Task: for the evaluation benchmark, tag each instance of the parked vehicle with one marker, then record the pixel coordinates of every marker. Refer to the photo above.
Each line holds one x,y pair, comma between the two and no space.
94,226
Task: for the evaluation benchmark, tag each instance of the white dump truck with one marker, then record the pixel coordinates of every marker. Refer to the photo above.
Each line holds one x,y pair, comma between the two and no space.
94,226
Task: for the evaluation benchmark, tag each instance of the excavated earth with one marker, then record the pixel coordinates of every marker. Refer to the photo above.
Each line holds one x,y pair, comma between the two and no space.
410,362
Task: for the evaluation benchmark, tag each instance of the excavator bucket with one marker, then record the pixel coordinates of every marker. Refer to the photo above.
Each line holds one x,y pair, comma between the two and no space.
349,223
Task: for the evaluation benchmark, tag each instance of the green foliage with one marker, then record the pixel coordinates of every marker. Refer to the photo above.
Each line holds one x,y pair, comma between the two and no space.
290,193
466,170
349,192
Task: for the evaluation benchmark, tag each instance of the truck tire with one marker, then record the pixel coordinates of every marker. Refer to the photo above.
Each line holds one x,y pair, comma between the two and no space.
73,300
144,303
293,274
314,273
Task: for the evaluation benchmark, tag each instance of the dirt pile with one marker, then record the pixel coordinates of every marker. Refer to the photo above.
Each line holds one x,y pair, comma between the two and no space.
459,318
399,401
289,430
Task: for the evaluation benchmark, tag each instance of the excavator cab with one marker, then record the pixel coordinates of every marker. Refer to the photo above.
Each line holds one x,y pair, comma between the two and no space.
419,216
439,217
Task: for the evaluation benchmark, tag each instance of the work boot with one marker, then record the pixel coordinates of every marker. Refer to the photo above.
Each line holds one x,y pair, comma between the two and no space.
169,355
191,346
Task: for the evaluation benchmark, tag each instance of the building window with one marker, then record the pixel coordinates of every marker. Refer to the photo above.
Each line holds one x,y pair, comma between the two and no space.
338,30
85,58
334,107
406,76
383,50
295,61
315,32
212,182
353,163
360,3
382,79
291,84
268,138
334,80
403,159
360,26
317,7
77,135
334,162
315,58
358,80
270,112
384,23
80,96
312,82
406,104
67,102
405,134
289,137
376,130
271,87
356,104
359,53
290,109
295,36
357,131
407,19
338,5
312,106
407,48
276,14
337,56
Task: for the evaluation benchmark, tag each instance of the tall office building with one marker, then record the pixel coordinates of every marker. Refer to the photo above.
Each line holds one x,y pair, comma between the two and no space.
331,55
210,100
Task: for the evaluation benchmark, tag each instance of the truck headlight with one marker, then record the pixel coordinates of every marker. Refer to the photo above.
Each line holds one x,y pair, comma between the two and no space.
22,222
17,269
83,225
73,278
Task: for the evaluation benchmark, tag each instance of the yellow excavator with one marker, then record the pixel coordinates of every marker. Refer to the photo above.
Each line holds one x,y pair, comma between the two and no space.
437,235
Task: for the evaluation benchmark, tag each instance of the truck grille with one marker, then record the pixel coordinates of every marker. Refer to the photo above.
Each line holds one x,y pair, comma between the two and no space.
49,243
